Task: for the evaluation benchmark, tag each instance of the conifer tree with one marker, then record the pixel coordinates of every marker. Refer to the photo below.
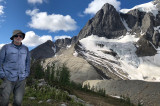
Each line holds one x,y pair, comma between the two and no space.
38,71
64,76
52,78
47,74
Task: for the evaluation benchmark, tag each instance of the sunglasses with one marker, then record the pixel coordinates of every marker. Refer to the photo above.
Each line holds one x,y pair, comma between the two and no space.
21,36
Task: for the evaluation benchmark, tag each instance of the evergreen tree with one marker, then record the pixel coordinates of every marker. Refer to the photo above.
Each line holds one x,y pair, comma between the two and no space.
52,73
47,74
57,72
38,71
64,76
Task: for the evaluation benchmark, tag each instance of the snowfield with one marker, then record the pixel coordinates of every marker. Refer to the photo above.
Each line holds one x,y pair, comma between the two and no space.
138,68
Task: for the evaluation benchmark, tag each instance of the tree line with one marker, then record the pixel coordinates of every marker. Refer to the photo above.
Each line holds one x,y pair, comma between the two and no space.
52,74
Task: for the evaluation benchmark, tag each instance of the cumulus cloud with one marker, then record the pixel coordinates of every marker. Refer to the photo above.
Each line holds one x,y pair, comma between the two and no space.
53,22
32,40
96,5
61,37
36,1
1,9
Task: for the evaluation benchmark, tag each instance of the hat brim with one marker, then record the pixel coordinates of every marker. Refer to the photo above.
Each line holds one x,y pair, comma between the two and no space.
18,33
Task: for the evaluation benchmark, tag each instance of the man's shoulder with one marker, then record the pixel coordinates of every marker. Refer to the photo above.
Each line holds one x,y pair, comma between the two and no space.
8,44
24,46
5,46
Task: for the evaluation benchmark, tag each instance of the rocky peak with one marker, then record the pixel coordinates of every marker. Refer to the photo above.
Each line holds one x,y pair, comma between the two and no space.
44,50
106,23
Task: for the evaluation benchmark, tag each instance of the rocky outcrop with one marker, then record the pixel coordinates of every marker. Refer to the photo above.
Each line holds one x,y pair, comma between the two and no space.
62,42
106,23
65,42
142,25
139,22
145,48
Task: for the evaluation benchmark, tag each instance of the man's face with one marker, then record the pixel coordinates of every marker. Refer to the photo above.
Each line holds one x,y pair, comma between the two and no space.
18,38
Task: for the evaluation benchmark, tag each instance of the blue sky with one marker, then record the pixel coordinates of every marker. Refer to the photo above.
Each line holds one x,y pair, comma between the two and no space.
42,20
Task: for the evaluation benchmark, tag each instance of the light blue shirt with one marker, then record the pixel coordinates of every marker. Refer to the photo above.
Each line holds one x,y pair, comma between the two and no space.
14,62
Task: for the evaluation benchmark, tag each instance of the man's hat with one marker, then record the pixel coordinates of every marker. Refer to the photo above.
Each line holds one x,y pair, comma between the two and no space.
15,32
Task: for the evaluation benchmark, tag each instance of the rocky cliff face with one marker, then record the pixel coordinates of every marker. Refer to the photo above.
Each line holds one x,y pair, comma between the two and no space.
142,25
139,22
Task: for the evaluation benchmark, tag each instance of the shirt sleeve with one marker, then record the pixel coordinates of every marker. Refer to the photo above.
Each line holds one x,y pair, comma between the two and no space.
2,59
27,63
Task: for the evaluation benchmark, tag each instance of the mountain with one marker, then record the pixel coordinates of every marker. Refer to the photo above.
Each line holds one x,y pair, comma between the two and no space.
112,46
120,57
49,48
44,50
106,23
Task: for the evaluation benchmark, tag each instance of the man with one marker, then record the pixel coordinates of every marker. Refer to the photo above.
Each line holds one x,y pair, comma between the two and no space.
14,68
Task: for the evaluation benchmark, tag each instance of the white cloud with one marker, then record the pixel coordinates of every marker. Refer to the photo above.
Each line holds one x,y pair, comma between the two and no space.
2,2
1,9
32,40
53,22
96,5
36,1
61,37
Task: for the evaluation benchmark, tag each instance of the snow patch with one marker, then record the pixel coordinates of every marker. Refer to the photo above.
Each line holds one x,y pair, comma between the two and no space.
68,46
147,7
125,24
1,45
118,97
75,54
54,49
